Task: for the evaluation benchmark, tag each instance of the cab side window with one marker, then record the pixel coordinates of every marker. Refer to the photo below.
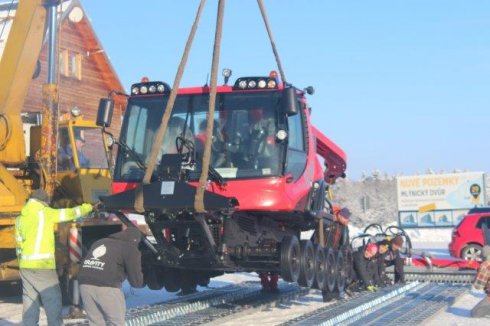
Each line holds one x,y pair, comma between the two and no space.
296,152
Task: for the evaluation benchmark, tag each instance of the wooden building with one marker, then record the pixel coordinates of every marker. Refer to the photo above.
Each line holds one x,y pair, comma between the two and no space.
85,73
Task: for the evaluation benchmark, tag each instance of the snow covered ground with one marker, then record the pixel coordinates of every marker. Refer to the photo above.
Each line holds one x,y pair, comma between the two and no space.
457,314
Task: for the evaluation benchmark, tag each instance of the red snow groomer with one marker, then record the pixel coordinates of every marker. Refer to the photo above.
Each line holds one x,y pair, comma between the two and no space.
266,183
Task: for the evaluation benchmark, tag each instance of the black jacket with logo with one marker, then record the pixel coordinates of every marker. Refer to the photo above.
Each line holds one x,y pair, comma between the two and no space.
366,270
112,259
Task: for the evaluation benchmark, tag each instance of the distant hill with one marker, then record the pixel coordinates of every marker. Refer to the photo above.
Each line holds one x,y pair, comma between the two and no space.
372,200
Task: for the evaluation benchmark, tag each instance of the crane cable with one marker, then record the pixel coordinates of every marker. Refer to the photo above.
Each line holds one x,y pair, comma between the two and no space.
199,198
139,200
271,38
8,131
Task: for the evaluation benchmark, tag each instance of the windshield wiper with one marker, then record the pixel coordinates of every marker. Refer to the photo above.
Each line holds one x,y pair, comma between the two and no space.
215,176
132,153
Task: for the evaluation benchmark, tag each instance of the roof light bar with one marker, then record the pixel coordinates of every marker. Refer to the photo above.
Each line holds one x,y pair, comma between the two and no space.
248,83
156,87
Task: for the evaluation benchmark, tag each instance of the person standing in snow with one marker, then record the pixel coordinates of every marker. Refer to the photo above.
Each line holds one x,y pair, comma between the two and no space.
108,263
35,247
482,282
337,237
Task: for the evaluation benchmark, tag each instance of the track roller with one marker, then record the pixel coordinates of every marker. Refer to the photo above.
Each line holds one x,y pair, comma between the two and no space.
330,270
172,280
340,271
319,268
290,258
306,264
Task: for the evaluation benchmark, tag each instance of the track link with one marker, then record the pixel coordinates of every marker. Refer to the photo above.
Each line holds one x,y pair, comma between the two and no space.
437,275
338,313
239,304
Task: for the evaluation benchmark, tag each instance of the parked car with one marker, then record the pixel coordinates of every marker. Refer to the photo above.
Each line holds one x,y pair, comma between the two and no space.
467,238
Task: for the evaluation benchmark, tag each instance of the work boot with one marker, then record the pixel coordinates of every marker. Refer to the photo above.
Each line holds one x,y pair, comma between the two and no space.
349,292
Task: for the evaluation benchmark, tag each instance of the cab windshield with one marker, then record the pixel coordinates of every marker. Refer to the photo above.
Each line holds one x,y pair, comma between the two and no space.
244,143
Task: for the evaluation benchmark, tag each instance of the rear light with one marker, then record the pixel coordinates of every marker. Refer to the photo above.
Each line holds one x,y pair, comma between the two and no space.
167,234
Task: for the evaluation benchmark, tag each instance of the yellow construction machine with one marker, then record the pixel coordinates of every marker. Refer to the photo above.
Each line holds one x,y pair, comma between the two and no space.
67,157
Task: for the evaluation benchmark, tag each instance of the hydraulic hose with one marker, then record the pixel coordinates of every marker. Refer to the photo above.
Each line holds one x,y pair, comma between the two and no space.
8,131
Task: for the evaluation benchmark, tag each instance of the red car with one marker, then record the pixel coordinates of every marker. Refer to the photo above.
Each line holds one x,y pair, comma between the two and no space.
467,238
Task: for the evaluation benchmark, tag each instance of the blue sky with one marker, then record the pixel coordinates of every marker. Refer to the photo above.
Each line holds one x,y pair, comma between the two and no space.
401,86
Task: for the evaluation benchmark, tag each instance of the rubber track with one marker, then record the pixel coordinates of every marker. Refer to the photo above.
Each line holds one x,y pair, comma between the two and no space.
151,314
452,277
337,313
245,304
414,308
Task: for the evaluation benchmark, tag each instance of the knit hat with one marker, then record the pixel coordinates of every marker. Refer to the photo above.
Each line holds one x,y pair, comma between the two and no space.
384,242
398,240
372,248
41,195
485,252
345,212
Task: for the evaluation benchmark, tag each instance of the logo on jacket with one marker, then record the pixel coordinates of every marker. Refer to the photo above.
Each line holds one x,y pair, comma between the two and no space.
99,252
94,262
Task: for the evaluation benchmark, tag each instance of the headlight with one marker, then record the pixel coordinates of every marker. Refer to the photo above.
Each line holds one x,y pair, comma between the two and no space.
144,89
271,84
226,72
152,89
135,91
262,83
242,84
75,111
281,134
252,84
161,88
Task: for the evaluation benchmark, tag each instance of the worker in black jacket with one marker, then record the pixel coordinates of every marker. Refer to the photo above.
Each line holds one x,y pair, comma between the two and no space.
108,263
392,258
383,254
366,267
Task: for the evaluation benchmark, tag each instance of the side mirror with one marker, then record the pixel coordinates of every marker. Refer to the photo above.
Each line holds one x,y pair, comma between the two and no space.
289,101
104,114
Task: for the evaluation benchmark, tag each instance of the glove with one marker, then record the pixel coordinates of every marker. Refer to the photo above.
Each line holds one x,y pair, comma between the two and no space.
86,209
372,288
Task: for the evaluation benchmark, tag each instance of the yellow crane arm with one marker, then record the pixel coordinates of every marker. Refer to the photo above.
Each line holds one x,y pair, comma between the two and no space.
16,69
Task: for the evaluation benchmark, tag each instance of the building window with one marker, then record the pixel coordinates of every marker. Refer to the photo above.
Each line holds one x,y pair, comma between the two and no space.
71,64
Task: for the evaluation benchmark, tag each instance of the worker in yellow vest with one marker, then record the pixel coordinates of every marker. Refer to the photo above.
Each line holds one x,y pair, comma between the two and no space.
34,234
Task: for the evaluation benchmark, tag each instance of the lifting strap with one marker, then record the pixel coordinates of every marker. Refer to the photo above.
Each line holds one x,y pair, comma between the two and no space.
199,198
273,44
139,200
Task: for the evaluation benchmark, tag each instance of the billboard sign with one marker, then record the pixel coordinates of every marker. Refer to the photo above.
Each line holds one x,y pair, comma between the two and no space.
438,199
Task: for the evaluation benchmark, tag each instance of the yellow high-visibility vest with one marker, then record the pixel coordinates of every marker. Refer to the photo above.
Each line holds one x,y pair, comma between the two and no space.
34,233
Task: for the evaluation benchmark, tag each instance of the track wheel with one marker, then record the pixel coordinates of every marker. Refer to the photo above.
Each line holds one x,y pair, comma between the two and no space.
172,280
290,258
319,268
340,264
330,270
188,283
152,277
306,264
